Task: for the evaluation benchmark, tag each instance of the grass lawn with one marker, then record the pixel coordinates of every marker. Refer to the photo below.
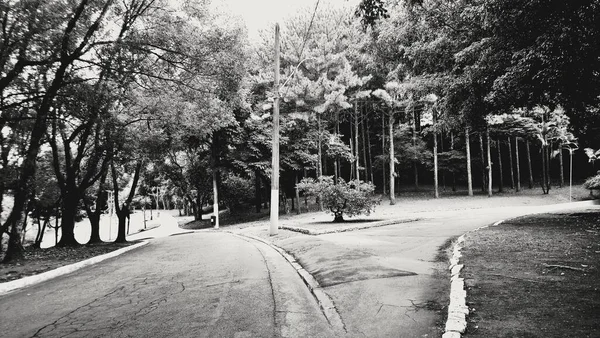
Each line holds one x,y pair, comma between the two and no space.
535,276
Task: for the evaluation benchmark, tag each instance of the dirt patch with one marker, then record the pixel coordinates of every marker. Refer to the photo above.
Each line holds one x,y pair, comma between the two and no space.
37,260
535,276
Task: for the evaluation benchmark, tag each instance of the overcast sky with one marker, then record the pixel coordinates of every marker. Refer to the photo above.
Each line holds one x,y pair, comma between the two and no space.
259,14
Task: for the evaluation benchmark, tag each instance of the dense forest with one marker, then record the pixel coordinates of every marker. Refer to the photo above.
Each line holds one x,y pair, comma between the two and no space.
160,104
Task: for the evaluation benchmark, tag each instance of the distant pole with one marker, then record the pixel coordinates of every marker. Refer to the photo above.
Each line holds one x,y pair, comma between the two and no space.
570,174
275,165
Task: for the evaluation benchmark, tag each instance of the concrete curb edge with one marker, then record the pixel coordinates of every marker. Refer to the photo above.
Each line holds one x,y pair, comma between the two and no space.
325,302
346,229
63,270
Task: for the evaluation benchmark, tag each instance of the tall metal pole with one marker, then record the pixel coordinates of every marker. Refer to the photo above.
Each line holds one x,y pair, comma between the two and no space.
275,165
215,198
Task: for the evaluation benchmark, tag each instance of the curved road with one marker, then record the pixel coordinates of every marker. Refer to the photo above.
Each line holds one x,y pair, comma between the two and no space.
208,284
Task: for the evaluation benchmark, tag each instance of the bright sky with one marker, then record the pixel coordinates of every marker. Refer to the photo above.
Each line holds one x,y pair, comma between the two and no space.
260,14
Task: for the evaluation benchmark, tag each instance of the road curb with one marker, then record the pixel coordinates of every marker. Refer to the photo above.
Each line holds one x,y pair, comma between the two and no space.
325,302
63,270
346,229
458,310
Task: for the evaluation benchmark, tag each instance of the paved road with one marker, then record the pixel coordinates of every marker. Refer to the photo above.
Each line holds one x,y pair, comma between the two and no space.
383,280
208,284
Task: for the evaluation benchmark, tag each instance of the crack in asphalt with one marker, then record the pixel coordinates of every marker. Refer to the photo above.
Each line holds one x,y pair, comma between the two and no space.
132,301
271,285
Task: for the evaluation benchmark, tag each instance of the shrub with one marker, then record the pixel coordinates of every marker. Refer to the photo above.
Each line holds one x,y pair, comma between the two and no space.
593,183
345,198
236,191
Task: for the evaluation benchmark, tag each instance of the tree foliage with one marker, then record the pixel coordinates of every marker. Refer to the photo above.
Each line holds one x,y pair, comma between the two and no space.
344,198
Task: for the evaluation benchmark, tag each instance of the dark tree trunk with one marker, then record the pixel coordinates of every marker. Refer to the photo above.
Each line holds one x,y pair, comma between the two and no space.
443,172
518,164
510,156
483,166
414,139
69,212
122,228
544,172
452,149
561,162
95,225
500,169
297,195
364,145
489,158
339,218
529,164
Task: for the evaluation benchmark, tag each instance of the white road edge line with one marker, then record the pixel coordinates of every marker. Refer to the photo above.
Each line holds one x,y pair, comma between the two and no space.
7,287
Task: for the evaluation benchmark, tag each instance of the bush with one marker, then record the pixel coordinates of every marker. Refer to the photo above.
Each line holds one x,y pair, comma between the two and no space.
592,183
345,198
236,192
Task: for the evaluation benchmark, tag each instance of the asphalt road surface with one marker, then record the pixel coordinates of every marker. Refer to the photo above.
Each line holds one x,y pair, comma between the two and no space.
208,284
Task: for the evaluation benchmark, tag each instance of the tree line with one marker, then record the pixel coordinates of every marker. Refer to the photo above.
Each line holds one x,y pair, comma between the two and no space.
162,103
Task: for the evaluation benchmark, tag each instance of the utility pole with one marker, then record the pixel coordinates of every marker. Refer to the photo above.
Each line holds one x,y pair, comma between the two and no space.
274,226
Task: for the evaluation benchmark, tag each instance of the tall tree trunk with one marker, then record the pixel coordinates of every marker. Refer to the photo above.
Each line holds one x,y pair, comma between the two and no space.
510,156
337,164
357,162
561,162
370,155
94,216
548,165
320,154
544,172
383,131
414,139
364,144
123,210
392,157
529,164
518,164
469,173
453,173
353,151
436,192
483,166
489,158
68,211
442,150
500,169
298,211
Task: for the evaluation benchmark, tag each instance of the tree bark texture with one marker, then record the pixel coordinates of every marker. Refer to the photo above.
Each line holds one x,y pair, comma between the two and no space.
489,159
468,155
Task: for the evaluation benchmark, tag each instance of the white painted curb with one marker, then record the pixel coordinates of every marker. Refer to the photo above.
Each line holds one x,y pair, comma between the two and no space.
63,270
351,228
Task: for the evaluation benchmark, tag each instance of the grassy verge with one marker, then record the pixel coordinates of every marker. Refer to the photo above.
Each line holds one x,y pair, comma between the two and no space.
535,276
38,260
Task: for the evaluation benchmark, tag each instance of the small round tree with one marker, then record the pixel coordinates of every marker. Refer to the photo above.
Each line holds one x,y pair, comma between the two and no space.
344,198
